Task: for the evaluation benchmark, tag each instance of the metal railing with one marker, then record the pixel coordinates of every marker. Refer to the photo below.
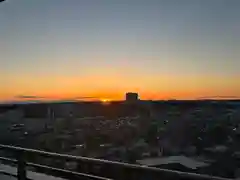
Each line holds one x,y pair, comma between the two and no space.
105,170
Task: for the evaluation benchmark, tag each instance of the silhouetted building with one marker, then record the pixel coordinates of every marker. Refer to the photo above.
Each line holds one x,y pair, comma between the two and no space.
131,97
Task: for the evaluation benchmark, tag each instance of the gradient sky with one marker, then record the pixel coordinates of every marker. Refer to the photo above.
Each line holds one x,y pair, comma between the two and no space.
160,48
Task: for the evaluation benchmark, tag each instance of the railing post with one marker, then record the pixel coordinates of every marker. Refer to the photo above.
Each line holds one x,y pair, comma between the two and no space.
21,166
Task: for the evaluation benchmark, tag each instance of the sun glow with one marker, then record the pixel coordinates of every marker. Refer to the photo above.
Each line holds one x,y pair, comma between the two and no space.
105,101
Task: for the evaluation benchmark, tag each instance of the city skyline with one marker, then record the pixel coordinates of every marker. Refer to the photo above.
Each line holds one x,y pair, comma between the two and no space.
60,49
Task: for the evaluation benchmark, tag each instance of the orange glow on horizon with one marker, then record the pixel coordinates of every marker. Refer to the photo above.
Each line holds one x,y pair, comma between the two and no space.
106,97
113,86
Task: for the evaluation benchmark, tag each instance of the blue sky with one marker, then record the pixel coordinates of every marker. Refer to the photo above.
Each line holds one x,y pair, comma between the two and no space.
152,46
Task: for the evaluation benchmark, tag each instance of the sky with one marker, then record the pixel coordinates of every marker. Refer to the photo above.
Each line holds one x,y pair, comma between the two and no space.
162,49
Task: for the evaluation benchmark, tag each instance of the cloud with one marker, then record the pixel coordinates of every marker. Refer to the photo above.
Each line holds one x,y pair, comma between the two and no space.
28,97
40,98
220,97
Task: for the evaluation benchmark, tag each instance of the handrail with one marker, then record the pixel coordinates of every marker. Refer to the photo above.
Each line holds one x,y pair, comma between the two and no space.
117,164
67,171
8,160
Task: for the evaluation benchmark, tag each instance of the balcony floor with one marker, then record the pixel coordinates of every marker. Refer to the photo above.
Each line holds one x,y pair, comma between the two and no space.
30,174
5,177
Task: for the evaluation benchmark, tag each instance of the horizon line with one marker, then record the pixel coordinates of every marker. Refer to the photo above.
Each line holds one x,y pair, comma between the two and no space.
99,100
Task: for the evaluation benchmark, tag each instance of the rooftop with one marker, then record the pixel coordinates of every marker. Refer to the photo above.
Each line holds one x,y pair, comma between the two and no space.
183,160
